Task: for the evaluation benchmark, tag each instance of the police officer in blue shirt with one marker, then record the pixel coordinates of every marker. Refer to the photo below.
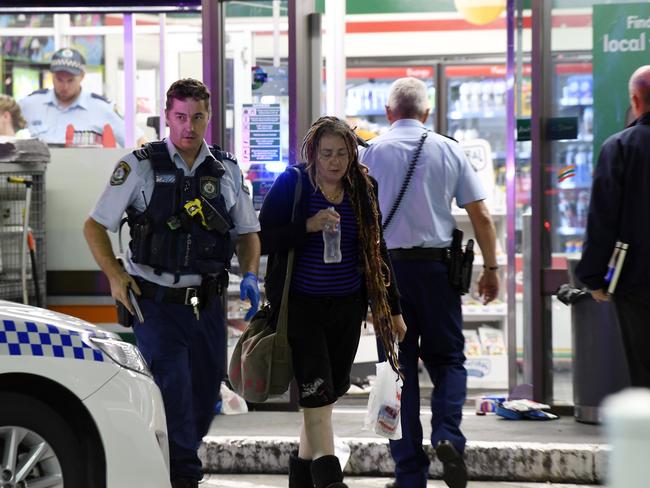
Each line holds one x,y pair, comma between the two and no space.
49,111
187,207
417,238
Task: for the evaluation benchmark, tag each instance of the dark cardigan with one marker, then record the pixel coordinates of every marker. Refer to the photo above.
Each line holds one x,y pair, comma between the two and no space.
279,234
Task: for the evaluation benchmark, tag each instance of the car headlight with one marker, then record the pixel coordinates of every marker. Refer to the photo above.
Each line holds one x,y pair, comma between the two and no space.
123,353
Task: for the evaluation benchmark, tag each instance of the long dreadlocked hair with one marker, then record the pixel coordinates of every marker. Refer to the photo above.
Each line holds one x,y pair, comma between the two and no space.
357,183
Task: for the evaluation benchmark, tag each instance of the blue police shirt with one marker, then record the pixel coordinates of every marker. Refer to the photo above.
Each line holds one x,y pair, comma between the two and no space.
132,185
47,121
442,173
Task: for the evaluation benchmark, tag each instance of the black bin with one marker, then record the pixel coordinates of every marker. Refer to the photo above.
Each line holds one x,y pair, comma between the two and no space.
599,366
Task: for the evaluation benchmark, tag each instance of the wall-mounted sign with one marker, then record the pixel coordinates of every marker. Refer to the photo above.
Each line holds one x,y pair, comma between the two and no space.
621,45
261,133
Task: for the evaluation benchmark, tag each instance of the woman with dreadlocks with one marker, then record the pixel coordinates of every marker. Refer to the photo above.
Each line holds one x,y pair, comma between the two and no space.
328,301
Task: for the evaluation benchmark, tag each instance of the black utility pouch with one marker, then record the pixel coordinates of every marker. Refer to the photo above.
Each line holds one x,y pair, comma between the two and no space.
124,317
460,263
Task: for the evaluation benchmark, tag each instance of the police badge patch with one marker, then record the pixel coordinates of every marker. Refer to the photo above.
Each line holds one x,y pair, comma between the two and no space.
209,186
120,173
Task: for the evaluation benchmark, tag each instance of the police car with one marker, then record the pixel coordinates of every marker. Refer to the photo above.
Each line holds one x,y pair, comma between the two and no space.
78,406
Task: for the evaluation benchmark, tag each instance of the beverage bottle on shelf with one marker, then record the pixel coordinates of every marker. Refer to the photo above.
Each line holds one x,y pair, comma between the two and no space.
582,208
574,92
332,243
588,124
586,97
582,172
487,95
475,96
568,161
463,97
367,97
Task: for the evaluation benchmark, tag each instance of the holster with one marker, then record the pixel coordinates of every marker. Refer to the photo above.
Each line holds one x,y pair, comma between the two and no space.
460,263
124,317
213,287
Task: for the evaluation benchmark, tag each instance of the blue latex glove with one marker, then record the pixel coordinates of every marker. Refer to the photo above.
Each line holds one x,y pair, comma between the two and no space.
248,288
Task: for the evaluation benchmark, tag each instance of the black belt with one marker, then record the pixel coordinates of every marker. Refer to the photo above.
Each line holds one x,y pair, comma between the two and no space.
420,254
210,288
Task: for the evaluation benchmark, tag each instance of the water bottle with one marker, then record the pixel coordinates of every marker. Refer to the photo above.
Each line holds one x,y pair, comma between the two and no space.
332,242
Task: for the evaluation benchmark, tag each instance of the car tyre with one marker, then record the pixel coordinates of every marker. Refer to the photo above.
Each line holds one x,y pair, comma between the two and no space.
39,427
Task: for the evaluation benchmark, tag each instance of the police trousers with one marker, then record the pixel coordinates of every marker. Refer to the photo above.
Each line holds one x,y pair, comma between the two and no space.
433,316
187,358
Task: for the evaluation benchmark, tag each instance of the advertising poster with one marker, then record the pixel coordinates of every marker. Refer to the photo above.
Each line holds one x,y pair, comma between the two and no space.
621,44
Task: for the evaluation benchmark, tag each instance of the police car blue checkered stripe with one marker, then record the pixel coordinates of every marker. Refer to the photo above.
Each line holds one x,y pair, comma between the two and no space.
30,339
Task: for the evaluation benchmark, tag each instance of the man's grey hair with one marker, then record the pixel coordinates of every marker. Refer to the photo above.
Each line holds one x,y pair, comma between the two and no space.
408,98
640,84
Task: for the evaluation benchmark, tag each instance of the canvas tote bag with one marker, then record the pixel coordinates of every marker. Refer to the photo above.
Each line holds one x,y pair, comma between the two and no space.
261,362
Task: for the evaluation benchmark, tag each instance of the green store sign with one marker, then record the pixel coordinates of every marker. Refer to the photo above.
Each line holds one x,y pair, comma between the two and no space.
621,43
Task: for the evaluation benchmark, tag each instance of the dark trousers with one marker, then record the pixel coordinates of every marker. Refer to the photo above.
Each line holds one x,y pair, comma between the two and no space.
633,311
187,359
433,316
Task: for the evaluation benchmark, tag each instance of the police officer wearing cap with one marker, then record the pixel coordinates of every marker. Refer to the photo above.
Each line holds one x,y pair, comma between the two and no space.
417,238
187,208
49,111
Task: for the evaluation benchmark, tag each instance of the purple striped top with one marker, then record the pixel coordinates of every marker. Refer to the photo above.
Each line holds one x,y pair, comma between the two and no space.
311,275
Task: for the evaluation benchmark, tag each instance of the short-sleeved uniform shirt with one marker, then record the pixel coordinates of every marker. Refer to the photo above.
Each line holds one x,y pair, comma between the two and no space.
48,121
132,185
442,173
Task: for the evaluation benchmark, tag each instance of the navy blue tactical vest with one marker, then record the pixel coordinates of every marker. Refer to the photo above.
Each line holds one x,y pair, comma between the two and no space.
170,235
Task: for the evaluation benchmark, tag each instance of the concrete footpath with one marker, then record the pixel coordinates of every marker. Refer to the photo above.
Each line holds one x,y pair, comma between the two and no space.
280,481
556,451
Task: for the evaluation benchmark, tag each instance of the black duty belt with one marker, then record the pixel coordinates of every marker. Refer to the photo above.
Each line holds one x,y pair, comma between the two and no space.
205,292
420,254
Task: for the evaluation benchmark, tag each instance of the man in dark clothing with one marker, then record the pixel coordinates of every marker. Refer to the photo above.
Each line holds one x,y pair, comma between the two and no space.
620,211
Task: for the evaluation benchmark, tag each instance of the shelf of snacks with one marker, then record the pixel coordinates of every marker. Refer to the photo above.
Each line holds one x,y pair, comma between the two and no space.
486,359
474,310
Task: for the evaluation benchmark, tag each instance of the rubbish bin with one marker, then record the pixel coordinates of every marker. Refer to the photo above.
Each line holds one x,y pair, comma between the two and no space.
599,365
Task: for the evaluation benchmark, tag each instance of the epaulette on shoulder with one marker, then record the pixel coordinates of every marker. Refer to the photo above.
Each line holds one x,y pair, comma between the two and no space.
38,92
141,153
448,137
229,156
100,97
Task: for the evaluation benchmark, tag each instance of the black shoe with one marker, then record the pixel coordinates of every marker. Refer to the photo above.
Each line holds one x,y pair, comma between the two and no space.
185,483
392,484
454,469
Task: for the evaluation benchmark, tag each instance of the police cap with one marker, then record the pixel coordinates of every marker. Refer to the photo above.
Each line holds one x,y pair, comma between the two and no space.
69,60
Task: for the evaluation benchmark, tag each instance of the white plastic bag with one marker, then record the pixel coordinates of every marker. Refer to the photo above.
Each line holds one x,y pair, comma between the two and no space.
384,404
231,402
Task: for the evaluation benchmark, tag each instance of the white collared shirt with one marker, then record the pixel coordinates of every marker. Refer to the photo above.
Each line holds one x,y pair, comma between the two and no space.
442,173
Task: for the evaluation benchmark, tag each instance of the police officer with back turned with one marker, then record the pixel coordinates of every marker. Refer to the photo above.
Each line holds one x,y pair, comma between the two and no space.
417,238
187,209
